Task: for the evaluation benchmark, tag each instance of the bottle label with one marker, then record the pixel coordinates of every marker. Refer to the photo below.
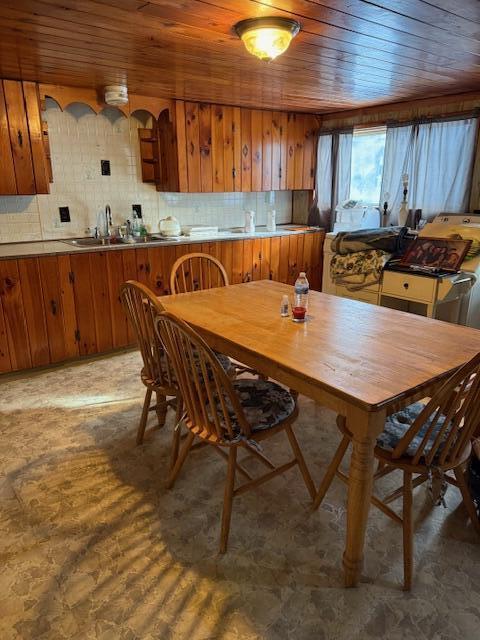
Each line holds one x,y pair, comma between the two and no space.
301,289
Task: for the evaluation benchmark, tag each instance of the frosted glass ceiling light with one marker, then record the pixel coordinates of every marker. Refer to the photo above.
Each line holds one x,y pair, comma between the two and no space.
267,38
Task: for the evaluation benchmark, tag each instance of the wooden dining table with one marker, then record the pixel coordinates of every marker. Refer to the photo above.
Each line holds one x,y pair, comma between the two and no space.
360,360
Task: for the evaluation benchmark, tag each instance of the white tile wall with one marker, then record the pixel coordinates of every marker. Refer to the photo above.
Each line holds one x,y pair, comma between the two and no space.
79,140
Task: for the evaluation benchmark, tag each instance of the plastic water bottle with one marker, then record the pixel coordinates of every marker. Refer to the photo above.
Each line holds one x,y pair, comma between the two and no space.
301,296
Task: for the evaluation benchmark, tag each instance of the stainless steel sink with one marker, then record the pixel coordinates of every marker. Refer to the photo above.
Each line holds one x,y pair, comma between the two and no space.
152,237
108,242
90,242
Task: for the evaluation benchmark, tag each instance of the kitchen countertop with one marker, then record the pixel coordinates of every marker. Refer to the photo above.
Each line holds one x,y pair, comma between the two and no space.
55,247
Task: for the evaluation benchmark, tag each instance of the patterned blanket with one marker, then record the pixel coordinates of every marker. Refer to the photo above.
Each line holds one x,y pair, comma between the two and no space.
388,239
360,269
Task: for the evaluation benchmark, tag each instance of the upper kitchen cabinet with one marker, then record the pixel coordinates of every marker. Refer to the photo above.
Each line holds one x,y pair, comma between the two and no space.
24,160
205,148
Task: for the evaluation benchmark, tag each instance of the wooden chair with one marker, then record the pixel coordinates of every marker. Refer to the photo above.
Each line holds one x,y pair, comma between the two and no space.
142,306
197,271
227,414
425,441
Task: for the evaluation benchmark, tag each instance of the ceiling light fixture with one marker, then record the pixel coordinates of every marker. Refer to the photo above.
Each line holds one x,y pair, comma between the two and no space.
267,38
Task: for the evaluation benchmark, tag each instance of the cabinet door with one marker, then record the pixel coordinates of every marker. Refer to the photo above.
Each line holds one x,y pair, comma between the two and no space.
8,184
291,143
274,258
19,137
247,269
257,150
218,150
205,136
246,142
52,303
33,306
14,316
101,301
276,150
35,129
5,362
181,133
267,151
283,259
69,313
85,310
265,266
192,134
309,149
115,279
299,150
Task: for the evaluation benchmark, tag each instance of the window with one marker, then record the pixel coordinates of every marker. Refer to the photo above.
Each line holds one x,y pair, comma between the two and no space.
368,149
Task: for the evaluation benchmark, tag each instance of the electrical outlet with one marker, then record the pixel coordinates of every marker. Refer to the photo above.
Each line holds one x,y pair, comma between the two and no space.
64,214
105,167
138,209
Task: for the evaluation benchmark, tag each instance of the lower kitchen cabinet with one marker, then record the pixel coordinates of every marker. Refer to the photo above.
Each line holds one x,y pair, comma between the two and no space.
55,308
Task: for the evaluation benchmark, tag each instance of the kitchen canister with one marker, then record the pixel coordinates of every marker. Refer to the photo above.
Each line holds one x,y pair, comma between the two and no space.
249,221
271,220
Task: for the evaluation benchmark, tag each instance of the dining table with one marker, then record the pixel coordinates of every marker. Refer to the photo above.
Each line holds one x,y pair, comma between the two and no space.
360,360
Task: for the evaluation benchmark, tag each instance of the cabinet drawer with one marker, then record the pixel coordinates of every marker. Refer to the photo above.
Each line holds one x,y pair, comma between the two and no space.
410,287
365,295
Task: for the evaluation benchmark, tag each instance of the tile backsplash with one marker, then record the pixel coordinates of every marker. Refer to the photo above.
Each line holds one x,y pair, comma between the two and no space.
79,141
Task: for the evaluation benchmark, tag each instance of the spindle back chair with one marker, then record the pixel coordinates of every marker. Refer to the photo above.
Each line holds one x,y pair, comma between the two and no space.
197,271
214,412
436,442
142,307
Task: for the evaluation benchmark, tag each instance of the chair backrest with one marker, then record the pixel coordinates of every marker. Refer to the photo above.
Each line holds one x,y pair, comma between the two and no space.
448,421
212,406
196,271
142,307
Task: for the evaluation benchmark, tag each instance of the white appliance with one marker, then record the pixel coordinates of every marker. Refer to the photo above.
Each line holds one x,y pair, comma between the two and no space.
352,215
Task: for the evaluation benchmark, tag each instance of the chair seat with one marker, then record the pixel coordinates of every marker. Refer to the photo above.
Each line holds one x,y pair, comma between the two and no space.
265,404
224,361
397,424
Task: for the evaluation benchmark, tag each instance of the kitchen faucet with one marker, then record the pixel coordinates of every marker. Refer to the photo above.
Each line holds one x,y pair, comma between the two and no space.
108,220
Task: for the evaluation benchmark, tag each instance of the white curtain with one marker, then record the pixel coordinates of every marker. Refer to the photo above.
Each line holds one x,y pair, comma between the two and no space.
334,166
324,178
343,173
442,166
438,158
397,161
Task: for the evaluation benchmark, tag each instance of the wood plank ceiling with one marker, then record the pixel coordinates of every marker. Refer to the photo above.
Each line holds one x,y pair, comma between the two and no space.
350,53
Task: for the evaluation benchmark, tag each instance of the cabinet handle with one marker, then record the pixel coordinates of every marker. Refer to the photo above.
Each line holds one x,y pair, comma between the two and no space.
147,267
405,285
234,173
20,138
53,305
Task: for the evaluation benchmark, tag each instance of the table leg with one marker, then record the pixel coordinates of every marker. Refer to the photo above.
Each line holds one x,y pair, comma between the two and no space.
365,427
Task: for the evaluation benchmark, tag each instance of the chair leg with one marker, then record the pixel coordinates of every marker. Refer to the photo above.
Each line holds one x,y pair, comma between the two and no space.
297,452
177,432
331,471
143,419
467,498
161,409
180,460
228,498
407,530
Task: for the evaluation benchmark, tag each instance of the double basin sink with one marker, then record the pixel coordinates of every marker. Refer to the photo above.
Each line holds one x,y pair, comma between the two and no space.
108,242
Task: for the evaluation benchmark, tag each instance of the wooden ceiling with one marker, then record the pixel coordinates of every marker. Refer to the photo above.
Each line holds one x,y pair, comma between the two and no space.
349,54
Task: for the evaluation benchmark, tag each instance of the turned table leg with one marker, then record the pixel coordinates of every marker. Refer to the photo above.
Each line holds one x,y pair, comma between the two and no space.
365,427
